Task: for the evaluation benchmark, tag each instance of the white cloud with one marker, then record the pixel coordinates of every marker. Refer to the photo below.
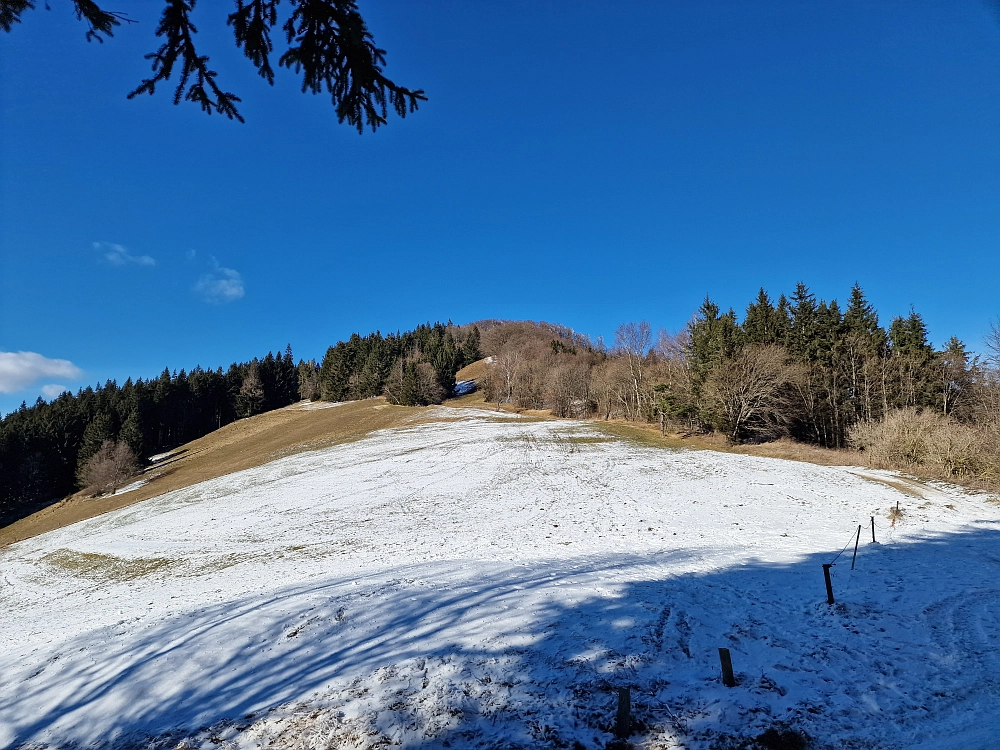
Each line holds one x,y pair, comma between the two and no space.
117,255
18,370
52,391
221,286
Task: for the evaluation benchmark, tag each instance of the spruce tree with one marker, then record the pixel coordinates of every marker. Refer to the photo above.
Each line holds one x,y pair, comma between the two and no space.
96,433
712,338
470,347
802,339
760,324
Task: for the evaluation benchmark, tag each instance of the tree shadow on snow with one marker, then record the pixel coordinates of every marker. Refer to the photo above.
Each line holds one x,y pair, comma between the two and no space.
505,655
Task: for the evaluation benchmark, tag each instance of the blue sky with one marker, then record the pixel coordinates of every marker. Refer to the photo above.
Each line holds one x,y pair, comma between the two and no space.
578,162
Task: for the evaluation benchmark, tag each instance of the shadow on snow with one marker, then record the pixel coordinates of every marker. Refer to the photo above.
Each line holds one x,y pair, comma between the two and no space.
507,655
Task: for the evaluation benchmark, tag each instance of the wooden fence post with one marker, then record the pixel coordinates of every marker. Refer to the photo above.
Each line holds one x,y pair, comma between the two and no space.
856,547
829,583
873,529
728,678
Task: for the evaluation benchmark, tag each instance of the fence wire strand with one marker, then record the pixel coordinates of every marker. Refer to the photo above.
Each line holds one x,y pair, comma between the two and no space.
853,534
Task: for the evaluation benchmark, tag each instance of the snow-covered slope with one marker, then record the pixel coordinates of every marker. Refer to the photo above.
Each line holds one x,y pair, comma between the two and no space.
490,583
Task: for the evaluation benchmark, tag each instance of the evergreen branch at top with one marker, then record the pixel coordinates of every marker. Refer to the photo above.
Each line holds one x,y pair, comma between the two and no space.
179,31
252,23
332,47
100,21
328,43
11,10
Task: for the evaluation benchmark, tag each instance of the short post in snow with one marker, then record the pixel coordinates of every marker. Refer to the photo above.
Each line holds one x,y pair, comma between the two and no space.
728,678
856,547
829,583
623,719
873,529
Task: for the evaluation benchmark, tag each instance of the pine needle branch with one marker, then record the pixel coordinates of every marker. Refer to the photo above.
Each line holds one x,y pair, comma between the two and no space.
331,46
100,21
11,10
176,26
252,23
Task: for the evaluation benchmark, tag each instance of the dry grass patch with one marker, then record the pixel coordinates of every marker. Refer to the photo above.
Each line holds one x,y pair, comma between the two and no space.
475,371
102,567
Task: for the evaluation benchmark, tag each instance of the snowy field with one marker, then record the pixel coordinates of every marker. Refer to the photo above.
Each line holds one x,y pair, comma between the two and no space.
490,583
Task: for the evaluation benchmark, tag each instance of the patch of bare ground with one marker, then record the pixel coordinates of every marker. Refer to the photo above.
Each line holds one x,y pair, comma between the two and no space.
906,486
237,446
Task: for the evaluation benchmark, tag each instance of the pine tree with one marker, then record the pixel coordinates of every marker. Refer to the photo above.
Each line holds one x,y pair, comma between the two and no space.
861,321
712,338
96,433
760,324
804,310
909,335
470,347
131,433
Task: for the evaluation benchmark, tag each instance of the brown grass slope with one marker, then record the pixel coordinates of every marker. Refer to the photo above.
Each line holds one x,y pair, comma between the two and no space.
237,446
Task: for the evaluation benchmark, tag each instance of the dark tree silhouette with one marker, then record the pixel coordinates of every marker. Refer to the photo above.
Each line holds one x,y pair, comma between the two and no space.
328,43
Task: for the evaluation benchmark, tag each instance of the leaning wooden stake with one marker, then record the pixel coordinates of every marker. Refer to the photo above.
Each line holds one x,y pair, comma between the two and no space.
728,678
623,720
829,583
856,547
873,529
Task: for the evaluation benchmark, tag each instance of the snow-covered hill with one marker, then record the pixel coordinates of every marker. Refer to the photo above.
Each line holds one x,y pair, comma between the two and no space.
490,582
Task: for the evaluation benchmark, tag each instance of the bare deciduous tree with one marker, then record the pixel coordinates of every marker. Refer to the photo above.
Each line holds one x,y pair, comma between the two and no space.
749,392
251,396
502,376
632,342
308,380
109,468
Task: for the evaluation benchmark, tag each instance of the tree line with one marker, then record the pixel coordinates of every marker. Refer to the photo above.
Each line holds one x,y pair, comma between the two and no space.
46,449
796,366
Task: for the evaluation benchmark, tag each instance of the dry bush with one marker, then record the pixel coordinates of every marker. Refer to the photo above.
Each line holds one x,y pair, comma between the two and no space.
929,442
108,469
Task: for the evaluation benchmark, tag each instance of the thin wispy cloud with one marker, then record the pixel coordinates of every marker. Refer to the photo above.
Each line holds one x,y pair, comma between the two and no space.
221,286
18,370
117,255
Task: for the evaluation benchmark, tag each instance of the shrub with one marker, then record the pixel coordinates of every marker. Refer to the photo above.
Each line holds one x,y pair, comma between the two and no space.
908,439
